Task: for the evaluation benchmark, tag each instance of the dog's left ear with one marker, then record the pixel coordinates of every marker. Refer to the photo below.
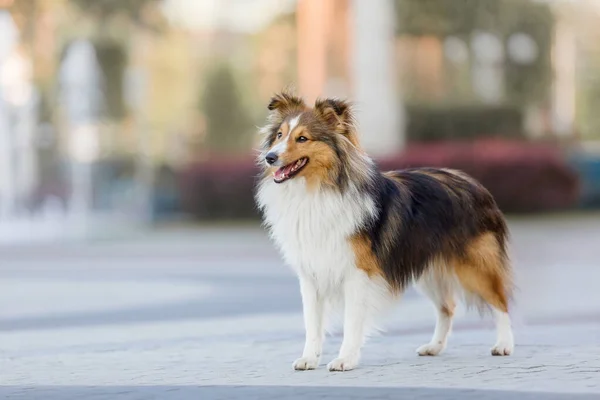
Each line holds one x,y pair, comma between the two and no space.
337,114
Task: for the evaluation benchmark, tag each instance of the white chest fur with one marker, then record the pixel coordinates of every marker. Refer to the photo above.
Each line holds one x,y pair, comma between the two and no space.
312,228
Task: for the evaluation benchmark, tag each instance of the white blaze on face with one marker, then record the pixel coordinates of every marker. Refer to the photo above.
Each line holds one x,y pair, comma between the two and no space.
293,124
281,147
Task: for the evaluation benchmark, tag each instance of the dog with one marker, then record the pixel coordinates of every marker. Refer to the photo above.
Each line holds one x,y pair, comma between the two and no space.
357,237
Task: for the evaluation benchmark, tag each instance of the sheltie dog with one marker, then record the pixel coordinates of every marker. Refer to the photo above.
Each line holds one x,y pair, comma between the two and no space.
357,237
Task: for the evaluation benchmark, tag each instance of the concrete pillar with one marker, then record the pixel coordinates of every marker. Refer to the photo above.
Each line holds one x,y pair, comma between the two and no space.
8,184
374,77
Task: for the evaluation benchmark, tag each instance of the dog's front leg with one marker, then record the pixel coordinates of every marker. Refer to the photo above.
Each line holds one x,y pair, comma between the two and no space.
313,310
356,308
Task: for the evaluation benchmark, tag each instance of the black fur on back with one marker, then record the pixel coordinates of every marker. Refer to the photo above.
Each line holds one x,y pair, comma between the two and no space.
424,213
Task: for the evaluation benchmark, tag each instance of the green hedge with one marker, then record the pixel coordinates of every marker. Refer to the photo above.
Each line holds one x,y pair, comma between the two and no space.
426,123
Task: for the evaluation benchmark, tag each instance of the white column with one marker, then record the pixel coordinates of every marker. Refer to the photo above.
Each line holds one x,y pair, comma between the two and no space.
136,84
8,40
563,96
19,97
375,92
7,184
81,84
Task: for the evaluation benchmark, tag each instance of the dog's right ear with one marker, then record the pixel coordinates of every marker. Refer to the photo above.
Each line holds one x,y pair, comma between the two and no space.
286,103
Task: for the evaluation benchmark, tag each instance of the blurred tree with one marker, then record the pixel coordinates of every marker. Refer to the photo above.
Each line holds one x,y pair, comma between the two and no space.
24,13
228,123
459,17
111,43
111,55
588,96
275,50
113,61
525,83
103,9
529,83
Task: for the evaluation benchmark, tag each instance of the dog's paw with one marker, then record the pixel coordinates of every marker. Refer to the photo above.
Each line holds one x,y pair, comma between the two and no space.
430,349
343,364
503,348
306,363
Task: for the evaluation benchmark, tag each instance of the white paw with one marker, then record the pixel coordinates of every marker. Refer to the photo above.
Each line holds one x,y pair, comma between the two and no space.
503,348
430,349
343,364
306,363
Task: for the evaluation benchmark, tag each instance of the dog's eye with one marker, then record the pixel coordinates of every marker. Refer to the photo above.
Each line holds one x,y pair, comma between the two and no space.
301,139
279,135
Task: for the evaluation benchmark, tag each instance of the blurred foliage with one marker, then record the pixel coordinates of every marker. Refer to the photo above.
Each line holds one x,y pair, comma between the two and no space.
100,9
524,83
588,96
428,123
461,17
106,8
228,123
24,12
111,41
528,83
112,58
275,50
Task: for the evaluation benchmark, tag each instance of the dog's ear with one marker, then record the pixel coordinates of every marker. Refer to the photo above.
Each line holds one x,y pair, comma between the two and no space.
286,103
339,117
337,114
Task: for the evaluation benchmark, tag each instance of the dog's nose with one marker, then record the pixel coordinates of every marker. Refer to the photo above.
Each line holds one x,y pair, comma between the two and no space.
271,158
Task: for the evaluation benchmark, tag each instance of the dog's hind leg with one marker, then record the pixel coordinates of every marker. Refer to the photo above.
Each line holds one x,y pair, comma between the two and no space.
486,274
438,285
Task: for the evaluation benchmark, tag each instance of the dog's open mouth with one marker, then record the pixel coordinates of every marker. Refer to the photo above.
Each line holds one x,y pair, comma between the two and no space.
289,171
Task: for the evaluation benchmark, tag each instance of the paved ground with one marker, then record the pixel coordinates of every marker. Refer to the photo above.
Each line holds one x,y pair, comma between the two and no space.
212,314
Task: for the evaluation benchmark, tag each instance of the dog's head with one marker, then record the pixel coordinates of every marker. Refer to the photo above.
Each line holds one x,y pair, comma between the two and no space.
316,143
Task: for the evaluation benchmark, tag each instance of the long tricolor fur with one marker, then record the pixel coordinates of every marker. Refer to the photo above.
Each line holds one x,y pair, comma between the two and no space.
357,237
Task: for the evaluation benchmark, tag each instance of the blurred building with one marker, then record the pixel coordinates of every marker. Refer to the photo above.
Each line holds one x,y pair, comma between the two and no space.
345,49
186,80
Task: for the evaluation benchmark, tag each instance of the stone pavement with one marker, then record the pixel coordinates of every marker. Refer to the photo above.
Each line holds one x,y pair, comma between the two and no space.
211,314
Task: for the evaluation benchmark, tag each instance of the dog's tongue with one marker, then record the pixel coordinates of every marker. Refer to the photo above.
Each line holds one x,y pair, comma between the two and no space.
283,172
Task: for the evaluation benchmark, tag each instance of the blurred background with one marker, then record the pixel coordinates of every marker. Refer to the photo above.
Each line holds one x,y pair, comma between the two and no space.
127,130
120,114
